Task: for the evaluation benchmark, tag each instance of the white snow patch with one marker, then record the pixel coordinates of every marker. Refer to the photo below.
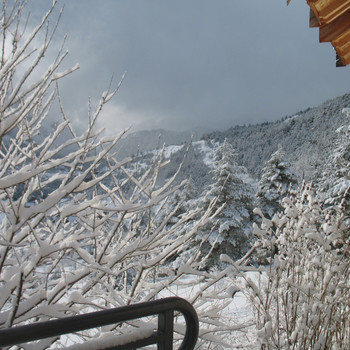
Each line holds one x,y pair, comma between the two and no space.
169,150
291,118
346,111
209,154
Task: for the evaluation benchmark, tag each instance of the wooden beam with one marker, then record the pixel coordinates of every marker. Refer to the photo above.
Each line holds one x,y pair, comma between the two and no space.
343,48
343,42
333,19
313,23
328,10
346,59
335,9
333,30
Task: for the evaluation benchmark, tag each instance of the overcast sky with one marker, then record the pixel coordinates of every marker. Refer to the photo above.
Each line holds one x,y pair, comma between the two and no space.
195,63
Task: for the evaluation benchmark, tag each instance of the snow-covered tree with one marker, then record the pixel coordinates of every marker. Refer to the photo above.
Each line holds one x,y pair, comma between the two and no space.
78,231
234,194
302,298
335,180
275,182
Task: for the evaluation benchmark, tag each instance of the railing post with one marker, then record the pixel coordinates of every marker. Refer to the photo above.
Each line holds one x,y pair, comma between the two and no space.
166,328
165,309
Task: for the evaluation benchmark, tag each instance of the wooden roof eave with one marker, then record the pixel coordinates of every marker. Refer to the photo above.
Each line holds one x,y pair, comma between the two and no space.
333,19
328,10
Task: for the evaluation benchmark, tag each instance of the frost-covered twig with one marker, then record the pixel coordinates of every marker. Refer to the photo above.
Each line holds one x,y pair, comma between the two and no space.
80,230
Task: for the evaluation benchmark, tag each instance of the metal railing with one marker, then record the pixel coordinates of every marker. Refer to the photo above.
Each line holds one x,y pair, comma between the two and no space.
162,337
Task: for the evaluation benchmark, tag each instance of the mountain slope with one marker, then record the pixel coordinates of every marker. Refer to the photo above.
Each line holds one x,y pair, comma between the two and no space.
307,137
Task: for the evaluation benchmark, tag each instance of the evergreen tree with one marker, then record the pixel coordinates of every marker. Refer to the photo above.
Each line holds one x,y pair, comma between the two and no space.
335,180
276,180
234,195
178,204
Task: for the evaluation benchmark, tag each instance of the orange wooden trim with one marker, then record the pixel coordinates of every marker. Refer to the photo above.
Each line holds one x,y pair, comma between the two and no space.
342,42
335,9
345,58
313,22
343,48
331,31
327,11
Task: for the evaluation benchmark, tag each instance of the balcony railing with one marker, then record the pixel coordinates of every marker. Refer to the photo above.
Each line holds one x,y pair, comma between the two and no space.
162,336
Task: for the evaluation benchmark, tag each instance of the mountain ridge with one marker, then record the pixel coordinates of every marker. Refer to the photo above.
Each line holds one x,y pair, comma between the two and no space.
306,137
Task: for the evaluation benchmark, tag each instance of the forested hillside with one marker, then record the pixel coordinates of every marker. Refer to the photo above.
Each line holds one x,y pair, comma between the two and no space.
306,137
264,162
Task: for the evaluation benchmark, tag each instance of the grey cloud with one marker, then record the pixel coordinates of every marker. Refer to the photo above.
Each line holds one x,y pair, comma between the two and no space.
199,62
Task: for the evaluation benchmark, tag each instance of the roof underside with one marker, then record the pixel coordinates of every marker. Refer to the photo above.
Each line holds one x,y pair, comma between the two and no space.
333,19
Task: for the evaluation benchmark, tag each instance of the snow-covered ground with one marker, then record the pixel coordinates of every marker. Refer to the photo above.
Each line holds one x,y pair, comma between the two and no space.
238,312
234,315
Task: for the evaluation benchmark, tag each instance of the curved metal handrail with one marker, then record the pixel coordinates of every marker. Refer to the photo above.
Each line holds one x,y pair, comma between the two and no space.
165,309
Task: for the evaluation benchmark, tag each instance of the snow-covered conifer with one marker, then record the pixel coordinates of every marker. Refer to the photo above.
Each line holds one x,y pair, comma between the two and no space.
234,195
275,182
335,180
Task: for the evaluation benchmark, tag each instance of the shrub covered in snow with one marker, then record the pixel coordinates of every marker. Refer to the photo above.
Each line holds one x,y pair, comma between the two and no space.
301,299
